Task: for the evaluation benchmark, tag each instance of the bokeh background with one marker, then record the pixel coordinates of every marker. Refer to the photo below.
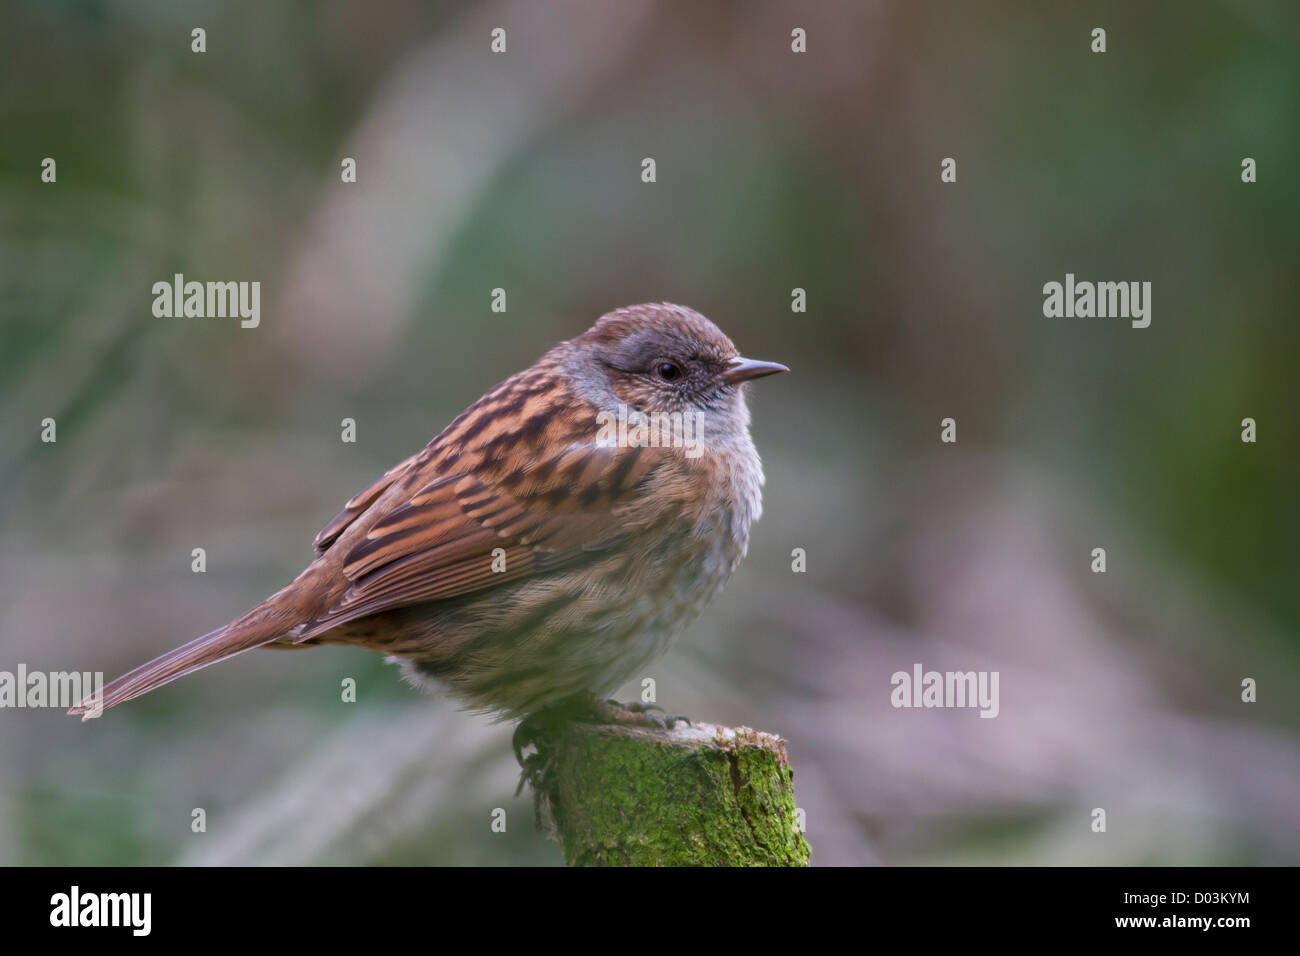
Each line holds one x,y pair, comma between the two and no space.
775,170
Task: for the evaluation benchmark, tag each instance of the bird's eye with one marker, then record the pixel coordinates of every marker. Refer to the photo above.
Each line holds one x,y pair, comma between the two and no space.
668,371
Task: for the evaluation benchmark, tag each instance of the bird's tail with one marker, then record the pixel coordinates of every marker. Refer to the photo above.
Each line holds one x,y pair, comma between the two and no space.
261,625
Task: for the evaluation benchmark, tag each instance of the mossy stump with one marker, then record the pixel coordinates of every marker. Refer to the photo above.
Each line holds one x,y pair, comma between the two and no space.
697,795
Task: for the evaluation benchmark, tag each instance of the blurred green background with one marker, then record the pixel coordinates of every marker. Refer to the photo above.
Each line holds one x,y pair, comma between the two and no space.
775,170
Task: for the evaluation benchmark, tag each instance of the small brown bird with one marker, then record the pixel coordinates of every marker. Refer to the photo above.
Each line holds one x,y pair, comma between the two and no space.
535,550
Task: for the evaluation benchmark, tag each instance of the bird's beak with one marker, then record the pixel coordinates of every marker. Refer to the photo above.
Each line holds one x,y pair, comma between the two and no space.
743,369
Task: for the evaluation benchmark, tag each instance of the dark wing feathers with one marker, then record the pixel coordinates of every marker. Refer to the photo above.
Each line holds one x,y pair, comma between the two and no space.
546,503
359,503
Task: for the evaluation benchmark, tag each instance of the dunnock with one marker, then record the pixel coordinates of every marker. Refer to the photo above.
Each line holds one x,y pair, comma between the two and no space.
532,552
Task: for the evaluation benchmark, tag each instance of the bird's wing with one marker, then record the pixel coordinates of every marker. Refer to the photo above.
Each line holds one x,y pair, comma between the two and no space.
545,493
359,503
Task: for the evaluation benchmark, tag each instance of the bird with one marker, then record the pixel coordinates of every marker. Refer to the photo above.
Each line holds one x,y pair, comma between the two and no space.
534,551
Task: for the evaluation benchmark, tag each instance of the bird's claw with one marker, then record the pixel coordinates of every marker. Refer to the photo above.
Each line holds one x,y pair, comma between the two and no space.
642,715
539,730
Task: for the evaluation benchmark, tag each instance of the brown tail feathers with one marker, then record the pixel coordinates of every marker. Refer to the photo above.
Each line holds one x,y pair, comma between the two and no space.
261,625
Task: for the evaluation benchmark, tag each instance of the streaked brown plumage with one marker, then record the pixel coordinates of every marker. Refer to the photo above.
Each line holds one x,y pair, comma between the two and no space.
608,551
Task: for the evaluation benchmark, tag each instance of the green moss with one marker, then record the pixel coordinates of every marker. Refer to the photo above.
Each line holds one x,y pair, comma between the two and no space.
642,797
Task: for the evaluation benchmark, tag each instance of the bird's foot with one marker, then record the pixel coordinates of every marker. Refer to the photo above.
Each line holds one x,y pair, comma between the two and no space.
540,731
637,714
